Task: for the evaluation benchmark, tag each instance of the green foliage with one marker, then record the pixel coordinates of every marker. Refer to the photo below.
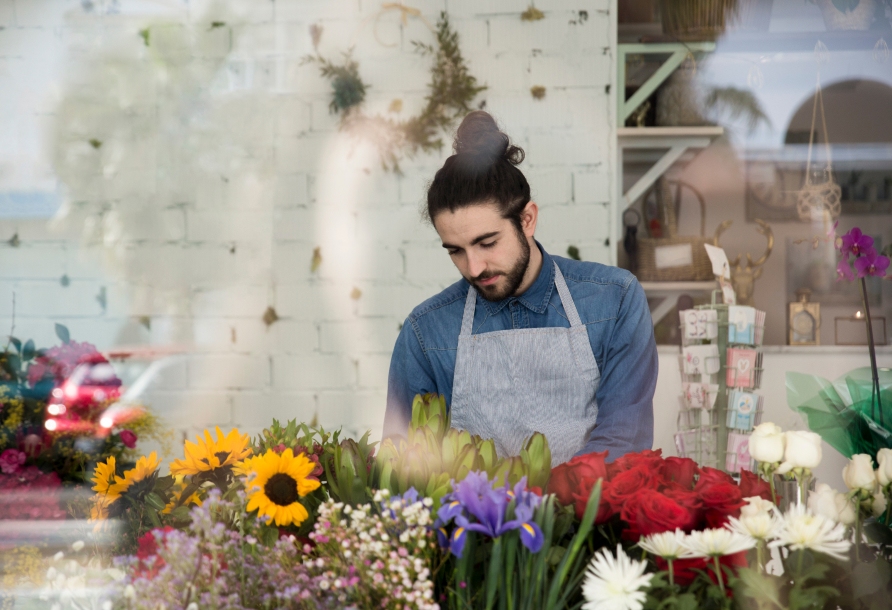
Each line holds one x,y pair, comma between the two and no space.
451,90
348,87
738,103
434,454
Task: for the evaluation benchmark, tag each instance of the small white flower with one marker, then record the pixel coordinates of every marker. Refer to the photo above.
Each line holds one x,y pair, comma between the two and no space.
757,520
615,583
756,505
717,542
129,592
767,443
192,606
58,556
668,545
804,530
77,546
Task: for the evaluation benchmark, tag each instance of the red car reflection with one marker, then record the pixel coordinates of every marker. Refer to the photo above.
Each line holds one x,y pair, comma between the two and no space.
81,404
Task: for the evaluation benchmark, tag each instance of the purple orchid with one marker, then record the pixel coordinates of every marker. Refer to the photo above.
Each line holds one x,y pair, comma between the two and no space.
871,263
855,242
475,505
844,271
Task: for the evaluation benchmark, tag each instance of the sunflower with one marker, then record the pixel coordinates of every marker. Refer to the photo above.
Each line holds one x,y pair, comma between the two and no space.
104,479
99,509
144,471
179,486
208,455
276,482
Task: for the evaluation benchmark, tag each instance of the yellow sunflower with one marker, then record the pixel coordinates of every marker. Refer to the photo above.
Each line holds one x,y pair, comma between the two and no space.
276,482
145,468
209,454
179,487
99,509
104,479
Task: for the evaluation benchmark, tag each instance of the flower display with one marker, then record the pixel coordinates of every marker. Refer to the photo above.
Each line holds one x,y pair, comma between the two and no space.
31,494
766,443
716,542
668,545
758,520
276,482
11,461
802,450
615,583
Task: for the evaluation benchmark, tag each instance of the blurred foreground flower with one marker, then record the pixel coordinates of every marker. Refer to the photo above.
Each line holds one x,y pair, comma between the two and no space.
615,583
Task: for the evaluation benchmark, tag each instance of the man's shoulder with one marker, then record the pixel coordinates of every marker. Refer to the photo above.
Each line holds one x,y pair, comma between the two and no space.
452,297
596,274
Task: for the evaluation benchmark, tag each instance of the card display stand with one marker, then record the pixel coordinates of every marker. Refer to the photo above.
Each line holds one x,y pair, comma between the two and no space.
721,369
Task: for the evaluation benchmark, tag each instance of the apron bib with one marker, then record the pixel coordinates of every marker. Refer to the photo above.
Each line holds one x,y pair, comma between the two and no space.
509,384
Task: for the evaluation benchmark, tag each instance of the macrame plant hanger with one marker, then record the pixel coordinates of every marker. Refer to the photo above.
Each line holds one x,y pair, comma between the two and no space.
818,201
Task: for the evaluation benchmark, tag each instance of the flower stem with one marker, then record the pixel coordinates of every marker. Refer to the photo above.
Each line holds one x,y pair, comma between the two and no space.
857,532
760,559
803,487
671,573
771,484
875,379
718,573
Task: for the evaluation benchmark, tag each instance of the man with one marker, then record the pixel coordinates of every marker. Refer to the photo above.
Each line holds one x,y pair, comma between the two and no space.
526,341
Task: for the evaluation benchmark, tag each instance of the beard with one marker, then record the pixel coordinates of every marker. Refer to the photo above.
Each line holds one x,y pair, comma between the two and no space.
513,278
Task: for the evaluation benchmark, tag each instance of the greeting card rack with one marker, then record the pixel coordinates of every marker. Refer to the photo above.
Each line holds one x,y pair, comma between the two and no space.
721,366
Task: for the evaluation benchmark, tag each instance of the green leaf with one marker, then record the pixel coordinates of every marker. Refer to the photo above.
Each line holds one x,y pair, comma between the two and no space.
155,501
868,578
16,344
180,513
153,517
268,535
28,351
62,333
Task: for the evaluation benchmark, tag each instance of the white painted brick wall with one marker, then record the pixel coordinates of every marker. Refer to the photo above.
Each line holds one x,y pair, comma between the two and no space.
219,175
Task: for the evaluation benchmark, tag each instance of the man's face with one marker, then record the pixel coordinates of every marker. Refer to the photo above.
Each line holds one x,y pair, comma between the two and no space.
487,249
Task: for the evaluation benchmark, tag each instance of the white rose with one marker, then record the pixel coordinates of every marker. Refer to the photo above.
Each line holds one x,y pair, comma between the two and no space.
767,443
858,473
878,505
756,506
802,449
884,472
829,503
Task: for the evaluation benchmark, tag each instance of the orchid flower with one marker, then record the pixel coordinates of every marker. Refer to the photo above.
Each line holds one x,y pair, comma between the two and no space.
855,242
871,263
844,270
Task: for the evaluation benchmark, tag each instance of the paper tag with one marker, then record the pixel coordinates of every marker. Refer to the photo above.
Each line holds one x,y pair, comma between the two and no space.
729,297
680,255
719,259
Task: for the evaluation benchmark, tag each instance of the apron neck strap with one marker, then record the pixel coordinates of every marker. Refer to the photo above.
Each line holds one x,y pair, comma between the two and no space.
467,320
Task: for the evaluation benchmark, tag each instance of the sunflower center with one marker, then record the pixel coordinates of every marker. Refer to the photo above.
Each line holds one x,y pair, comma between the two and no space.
281,489
222,456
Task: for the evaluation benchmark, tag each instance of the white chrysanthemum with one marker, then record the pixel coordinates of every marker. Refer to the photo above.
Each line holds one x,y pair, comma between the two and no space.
764,526
668,545
801,529
615,583
717,542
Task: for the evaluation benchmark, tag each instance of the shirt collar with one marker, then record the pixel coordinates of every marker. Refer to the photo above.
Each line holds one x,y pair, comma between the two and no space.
537,296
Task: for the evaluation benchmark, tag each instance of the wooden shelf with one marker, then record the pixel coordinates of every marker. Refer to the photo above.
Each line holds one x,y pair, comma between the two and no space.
668,293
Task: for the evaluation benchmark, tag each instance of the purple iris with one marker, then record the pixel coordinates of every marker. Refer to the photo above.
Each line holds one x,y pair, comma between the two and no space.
855,242
476,506
871,263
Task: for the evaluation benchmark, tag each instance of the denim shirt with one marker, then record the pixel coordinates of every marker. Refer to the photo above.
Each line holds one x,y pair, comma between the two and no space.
612,305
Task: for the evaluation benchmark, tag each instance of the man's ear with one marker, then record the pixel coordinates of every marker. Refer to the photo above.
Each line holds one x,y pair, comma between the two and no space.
528,218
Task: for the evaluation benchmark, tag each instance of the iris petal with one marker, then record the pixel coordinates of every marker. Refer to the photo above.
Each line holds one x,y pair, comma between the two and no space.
531,536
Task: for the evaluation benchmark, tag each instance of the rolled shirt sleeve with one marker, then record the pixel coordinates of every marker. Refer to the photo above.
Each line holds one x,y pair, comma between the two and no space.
625,421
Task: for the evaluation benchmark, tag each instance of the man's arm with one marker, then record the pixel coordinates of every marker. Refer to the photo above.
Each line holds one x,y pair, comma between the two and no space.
411,373
628,379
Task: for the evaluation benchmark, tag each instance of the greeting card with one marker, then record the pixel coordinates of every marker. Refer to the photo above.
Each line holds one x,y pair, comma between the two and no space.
699,323
741,324
738,457
741,372
701,359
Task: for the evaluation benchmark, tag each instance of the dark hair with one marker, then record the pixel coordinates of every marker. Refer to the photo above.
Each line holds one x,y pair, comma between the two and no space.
482,170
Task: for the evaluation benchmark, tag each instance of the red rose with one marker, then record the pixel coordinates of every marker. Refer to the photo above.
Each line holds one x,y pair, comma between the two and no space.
577,477
720,501
679,472
626,484
686,499
650,512
128,437
711,476
753,485
647,458
149,562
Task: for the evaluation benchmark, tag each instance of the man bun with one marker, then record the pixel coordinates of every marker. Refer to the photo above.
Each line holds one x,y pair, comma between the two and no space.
479,136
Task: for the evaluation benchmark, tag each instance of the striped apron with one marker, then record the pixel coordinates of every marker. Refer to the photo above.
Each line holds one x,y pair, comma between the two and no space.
509,384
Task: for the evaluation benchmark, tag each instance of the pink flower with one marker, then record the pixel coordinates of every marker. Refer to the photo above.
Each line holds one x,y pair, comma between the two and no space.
128,437
11,460
844,271
58,362
871,263
855,242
